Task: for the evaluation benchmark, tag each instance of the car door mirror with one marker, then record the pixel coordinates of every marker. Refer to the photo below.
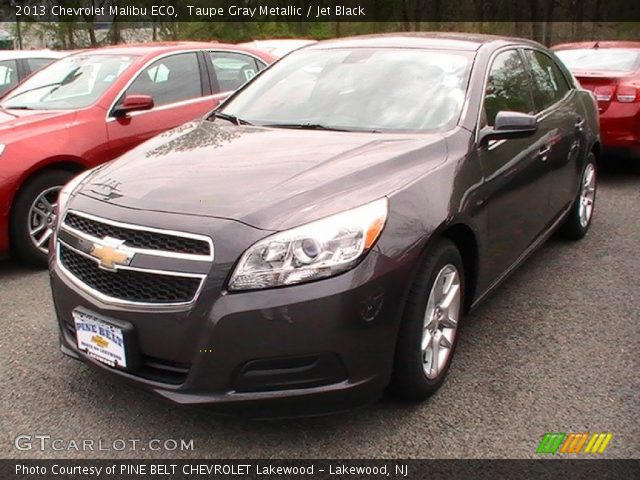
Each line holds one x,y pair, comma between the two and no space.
509,125
133,103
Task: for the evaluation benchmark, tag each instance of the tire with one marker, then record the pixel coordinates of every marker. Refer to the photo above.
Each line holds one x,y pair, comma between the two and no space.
576,225
22,216
413,378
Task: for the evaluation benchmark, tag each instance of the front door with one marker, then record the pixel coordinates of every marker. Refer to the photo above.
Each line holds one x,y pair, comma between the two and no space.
516,186
179,94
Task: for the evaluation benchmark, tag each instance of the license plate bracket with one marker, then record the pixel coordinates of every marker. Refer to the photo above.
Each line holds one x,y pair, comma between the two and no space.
107,340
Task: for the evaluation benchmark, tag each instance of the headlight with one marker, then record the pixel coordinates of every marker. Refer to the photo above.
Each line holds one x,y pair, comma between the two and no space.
68,190
316,250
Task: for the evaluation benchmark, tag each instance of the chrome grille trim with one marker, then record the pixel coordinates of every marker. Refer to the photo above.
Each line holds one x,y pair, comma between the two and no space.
157,253
141,251
118,301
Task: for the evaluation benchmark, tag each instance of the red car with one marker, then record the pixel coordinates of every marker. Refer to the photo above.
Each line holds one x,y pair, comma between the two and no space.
611,70
93,106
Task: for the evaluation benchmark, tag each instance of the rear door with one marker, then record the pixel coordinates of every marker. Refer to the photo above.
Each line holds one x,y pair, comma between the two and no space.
181,92
230,70
560,115
516,175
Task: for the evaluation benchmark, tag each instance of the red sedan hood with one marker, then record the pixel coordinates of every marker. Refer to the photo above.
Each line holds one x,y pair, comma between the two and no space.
14,119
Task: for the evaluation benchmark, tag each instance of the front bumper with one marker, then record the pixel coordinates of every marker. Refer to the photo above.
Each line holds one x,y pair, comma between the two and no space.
308,349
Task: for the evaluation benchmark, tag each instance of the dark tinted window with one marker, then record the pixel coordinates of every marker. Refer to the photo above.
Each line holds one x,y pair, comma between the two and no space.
169,80
36,64
549,84
233,70
508,86
8,74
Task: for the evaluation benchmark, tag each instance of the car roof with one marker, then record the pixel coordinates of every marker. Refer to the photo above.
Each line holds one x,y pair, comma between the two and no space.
18,54
438,40
152,49
597,44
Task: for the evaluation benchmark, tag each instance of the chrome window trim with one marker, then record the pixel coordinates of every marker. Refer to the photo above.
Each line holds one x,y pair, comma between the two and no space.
168,106
110,118
118,301
142,228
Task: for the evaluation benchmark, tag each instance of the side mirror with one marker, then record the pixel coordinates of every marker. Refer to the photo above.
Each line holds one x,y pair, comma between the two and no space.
509,125
133,103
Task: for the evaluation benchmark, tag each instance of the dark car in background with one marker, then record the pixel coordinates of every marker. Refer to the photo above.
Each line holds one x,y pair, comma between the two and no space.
92,107
320,237
611,70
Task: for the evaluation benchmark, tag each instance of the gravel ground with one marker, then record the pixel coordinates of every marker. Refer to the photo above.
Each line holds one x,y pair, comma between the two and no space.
554,349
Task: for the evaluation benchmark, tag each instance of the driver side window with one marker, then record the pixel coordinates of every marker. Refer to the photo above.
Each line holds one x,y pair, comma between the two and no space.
169,80
508,87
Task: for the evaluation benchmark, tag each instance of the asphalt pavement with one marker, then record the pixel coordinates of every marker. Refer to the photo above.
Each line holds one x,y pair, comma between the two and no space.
554,349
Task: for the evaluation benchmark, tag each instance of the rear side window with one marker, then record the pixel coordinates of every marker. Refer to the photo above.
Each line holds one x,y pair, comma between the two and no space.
36,64
8,75
549,84
232,70
169,80
508,86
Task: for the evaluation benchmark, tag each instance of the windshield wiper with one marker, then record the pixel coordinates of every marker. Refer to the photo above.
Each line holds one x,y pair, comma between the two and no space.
230,118
55,84
315,126
18,107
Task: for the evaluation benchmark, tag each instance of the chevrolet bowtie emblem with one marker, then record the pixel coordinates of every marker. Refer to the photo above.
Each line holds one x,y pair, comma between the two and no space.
111,253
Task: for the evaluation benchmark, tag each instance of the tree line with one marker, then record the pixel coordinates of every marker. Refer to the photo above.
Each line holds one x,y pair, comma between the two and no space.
547,21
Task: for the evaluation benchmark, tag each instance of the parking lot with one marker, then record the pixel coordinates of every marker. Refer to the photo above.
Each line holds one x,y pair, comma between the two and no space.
555,349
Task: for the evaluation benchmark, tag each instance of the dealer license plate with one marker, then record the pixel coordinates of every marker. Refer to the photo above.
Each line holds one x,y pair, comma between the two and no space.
100,339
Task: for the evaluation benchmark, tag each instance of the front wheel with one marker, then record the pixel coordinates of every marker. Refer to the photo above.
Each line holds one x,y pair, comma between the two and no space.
33,216
428,333
579,219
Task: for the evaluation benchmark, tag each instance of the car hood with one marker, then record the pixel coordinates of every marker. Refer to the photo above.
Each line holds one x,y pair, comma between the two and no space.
21,121
265,177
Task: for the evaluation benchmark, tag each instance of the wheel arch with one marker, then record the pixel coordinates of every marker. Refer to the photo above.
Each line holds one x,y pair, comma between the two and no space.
465,240
66,163
463,234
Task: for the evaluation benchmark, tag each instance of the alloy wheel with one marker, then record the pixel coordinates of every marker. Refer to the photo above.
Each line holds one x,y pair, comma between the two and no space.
441,321
587,195
42,218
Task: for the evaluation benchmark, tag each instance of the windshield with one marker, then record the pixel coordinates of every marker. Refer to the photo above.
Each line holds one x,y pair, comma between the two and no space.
357,89
615,59
73,82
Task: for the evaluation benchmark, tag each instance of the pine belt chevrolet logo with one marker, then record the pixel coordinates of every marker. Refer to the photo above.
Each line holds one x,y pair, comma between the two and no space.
574,442
110,253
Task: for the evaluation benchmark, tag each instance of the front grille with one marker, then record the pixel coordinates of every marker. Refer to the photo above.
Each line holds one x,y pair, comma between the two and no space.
130,285
138,238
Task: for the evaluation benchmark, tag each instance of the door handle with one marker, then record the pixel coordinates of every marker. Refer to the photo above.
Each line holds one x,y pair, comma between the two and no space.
544,152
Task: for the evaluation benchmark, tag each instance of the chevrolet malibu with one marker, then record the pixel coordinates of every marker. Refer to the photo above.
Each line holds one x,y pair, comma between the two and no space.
320,236
90,108
611,70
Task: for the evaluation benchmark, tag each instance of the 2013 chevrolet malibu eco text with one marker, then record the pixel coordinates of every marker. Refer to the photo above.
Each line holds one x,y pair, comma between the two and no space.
319,237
